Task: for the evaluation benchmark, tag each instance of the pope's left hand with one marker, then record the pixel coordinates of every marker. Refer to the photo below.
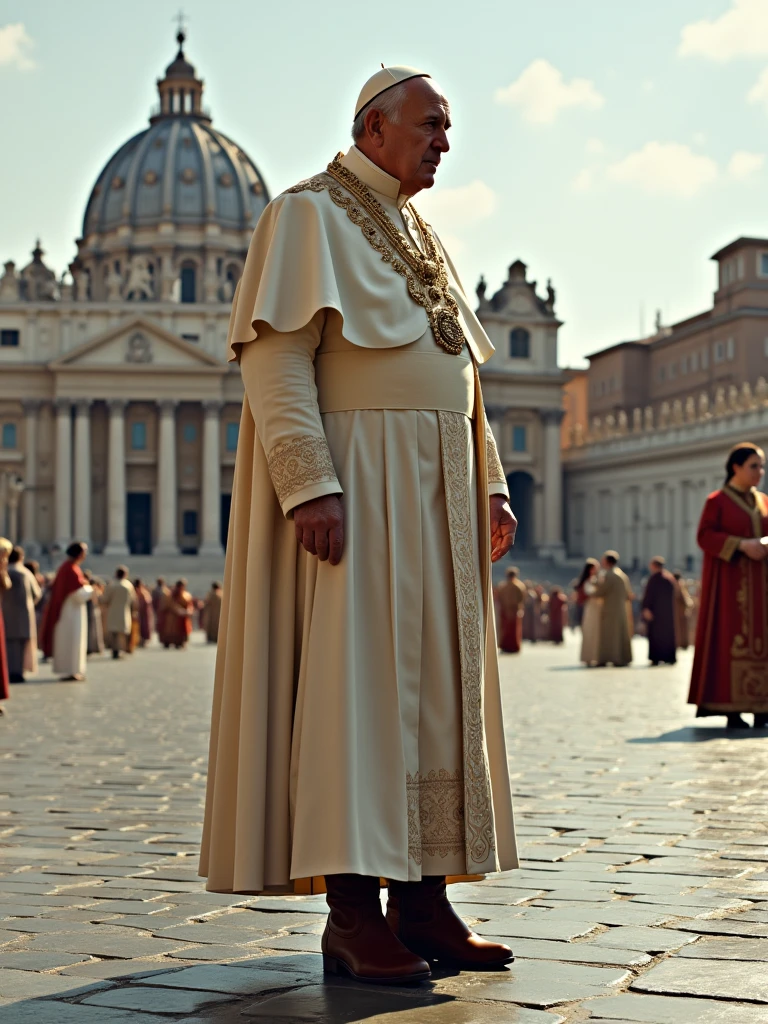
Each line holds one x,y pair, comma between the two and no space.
503,526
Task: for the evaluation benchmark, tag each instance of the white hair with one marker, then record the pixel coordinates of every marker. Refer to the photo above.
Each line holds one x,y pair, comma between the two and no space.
389,103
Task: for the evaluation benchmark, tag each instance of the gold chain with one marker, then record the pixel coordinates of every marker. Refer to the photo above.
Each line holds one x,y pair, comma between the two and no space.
431,289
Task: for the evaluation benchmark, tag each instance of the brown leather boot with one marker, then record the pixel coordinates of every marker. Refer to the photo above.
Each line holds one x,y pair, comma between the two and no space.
357,939
421,916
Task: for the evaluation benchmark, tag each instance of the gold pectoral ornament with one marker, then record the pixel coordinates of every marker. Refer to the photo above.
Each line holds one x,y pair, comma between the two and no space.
424,272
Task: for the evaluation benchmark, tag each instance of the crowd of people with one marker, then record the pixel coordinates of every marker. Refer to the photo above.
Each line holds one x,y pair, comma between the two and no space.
63,617
603,605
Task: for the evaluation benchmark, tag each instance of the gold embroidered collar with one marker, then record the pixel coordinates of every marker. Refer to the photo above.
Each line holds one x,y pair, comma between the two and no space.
424,272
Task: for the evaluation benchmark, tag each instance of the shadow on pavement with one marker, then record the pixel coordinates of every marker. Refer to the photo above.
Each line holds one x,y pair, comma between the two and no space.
698,734
288,989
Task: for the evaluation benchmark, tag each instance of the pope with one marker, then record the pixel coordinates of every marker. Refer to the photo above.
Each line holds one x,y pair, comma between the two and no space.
357,735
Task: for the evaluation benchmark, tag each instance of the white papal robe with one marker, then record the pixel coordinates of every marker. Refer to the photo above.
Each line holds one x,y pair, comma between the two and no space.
357,716
70,634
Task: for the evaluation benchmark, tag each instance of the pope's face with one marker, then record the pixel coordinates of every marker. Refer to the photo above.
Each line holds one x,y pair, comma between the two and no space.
411,149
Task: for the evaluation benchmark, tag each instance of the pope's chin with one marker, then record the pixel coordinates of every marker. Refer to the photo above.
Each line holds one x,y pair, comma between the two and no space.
427,174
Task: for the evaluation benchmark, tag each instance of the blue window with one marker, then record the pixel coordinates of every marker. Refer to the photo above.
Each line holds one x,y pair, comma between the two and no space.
9,435
519,439
9,339
188,284
233,430
190,523
139,437
519,343
189,433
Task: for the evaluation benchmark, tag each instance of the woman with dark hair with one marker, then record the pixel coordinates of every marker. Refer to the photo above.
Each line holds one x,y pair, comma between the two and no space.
590,611
730,667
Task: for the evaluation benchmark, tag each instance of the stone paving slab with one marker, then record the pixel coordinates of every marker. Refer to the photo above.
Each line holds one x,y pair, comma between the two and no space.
644,864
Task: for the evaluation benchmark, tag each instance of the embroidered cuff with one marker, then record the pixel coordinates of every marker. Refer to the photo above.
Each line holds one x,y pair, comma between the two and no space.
730,548
499,488
495,468
299,464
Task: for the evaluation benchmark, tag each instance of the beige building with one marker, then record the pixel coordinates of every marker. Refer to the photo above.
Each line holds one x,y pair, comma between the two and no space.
118,413
522,386
662,414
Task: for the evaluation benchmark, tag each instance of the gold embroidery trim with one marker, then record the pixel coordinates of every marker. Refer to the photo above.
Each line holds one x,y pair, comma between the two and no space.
479,836
495,468
298,463
428,286
435,814
729,549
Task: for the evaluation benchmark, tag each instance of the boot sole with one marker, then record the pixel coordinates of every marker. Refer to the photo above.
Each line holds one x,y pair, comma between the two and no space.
453,961
332,965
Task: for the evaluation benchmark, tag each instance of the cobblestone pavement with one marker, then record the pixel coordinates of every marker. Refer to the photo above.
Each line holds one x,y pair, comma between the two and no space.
643,897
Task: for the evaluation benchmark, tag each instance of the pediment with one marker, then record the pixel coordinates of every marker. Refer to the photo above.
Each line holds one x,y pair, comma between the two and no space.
137,344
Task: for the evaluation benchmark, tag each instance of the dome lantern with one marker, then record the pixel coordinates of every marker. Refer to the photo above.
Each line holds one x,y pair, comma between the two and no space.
181,91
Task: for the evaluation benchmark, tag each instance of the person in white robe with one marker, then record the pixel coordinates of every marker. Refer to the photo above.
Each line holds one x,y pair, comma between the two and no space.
357,731
64,632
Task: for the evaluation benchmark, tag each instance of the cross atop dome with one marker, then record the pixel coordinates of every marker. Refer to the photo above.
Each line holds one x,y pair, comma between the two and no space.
181,91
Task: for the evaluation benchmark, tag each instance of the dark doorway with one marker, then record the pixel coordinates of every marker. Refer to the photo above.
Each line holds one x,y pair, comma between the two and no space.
521,499
139,514
226,508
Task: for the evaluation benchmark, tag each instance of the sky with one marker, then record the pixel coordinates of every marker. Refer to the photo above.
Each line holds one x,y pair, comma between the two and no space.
612,146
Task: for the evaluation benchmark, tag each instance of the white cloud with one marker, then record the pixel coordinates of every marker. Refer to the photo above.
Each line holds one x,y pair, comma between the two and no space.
457,207
14,44
583,181
595,146
665,168
542,93
743,165
741,31
759,91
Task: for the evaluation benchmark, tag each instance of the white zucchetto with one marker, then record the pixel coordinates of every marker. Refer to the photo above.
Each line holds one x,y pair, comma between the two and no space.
385,79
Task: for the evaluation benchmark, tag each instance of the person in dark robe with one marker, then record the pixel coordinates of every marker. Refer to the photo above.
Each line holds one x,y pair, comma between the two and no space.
510,599
558,609
658,612
730,667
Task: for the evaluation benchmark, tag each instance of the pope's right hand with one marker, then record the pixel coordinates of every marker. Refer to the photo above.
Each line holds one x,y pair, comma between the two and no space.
319,526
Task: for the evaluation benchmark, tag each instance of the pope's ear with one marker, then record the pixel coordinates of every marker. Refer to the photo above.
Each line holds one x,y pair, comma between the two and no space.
374,125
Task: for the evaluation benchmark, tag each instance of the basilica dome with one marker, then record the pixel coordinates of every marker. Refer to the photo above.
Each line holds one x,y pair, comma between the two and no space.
180,170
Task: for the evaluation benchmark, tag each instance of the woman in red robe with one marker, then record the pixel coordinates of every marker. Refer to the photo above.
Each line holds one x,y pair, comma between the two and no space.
730,667
558,606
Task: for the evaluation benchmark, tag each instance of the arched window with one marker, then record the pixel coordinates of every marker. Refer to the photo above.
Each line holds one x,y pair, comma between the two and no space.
519,343
188,282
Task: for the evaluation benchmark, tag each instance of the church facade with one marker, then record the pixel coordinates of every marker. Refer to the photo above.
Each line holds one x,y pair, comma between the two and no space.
118,413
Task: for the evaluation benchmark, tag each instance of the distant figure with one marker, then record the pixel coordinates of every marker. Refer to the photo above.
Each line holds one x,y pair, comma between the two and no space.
5,584
730,667
64,634
19,602
146,612
630,598
683,606
541,613
176,612
211,613
659,613
120,600
592,605
511,596
95,616
159,594
558,607
529,613
614,645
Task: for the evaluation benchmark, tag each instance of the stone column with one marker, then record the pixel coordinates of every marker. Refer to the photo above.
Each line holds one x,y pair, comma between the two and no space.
211,489
553,485
63,483
116,533
167,543
83,470
31,408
